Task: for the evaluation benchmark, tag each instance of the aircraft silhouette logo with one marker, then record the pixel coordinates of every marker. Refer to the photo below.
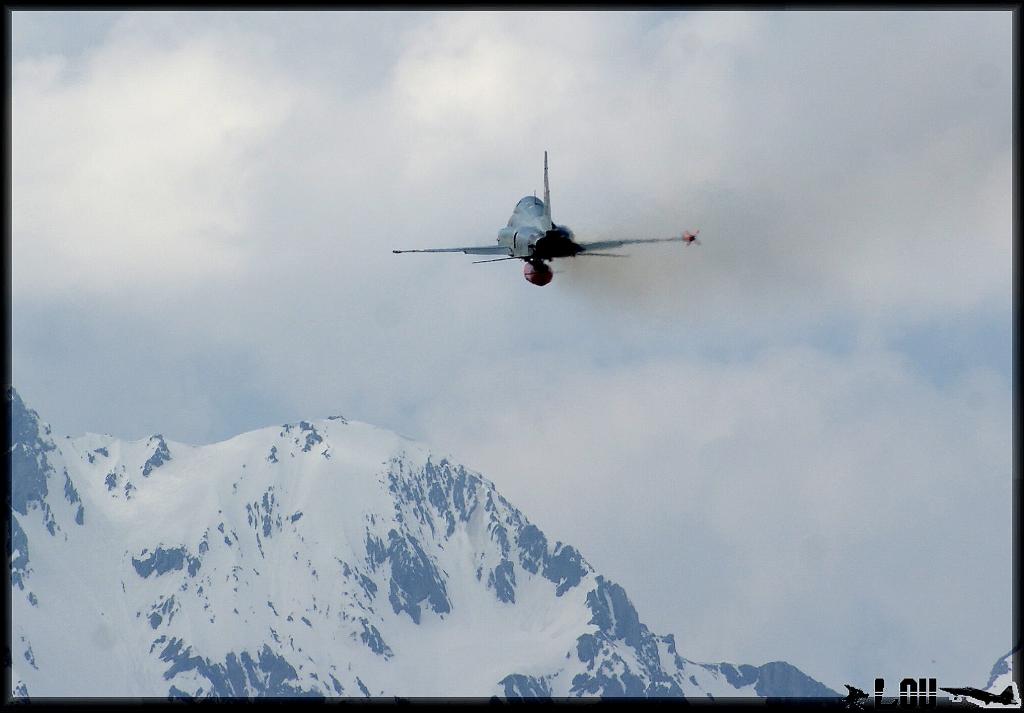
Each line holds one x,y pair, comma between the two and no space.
922,693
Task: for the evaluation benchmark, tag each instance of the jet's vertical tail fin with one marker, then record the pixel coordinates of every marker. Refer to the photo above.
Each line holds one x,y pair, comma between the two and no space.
547,193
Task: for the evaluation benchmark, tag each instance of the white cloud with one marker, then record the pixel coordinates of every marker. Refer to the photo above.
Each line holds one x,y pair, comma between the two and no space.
132,172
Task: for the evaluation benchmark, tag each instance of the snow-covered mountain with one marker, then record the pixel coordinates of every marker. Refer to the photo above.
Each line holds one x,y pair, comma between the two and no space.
323,558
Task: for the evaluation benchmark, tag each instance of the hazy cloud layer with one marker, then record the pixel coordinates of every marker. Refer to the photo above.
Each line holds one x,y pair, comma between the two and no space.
766,425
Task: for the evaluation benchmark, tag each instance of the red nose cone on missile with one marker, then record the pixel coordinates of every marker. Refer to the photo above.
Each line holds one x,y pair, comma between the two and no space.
539,274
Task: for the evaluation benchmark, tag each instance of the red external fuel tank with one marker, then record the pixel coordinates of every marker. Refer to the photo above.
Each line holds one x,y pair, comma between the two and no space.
537,273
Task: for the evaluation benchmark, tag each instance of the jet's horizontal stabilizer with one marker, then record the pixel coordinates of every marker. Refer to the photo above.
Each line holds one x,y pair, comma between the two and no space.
497,259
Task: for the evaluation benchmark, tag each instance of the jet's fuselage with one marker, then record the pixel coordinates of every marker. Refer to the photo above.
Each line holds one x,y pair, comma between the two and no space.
525,227
530,233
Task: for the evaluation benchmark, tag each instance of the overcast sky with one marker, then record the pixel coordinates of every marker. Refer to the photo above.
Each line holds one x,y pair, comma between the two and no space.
791,442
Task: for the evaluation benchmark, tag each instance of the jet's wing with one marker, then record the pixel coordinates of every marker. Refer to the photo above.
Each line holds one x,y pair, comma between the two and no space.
472,250
604,244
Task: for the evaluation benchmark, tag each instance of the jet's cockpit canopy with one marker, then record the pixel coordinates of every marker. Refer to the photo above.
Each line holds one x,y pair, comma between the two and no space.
530,204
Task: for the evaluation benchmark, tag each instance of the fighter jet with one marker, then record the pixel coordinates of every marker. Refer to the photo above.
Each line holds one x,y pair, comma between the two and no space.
1005,698
531,236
